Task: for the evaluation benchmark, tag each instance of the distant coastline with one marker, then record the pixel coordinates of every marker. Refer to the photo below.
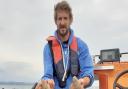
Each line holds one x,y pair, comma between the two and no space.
17,83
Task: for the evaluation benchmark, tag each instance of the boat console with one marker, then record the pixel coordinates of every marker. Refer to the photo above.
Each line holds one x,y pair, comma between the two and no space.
109,69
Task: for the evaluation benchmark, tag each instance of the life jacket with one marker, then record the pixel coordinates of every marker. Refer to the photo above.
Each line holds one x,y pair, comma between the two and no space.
57,56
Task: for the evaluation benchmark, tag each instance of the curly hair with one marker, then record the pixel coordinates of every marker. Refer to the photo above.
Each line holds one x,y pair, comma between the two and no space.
62,6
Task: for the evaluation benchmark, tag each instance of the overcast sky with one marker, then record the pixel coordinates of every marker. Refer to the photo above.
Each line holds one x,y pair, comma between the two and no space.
25,25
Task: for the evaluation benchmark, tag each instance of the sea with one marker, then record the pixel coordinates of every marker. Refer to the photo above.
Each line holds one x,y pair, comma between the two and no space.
29,86
15,86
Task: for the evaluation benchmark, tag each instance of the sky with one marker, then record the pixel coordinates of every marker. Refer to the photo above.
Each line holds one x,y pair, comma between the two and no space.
25,25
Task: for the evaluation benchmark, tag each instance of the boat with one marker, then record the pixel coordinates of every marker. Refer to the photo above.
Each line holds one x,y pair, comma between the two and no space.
112,73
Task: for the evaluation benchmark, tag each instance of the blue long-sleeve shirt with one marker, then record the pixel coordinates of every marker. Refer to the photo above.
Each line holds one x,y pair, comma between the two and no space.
85,61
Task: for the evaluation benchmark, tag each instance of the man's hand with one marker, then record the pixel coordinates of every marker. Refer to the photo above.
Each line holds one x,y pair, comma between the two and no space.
45,84
77,84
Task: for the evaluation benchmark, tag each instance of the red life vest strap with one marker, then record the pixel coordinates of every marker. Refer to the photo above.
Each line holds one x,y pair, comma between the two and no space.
57,53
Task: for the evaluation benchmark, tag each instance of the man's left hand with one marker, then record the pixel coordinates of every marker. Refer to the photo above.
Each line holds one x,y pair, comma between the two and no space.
77,84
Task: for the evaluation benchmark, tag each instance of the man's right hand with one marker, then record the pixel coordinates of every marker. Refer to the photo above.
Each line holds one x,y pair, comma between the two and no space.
45,84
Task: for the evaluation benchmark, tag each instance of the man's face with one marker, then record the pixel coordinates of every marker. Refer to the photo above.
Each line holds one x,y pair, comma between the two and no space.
63,22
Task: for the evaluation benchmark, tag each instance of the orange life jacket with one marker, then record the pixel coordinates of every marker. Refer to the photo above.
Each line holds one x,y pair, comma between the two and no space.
56,52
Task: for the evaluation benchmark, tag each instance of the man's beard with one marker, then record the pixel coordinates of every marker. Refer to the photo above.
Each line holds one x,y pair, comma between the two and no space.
63,33
63,30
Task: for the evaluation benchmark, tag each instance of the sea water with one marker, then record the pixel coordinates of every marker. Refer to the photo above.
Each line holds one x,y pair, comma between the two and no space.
15,86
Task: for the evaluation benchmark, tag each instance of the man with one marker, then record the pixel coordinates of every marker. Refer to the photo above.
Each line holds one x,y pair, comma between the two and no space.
66,55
